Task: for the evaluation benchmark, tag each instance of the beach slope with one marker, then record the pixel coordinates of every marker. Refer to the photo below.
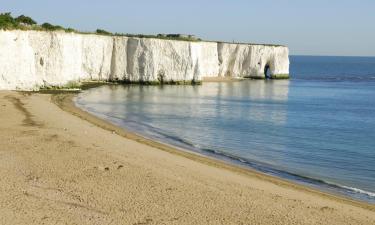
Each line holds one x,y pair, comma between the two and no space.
59,168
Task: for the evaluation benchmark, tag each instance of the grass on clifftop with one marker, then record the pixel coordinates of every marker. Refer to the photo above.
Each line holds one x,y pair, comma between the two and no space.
8,22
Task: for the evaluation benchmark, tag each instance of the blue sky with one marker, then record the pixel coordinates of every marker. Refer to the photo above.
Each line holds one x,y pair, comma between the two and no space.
315,27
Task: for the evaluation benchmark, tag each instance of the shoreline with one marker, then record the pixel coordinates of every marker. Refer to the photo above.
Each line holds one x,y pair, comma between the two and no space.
321,185
69,167
66,103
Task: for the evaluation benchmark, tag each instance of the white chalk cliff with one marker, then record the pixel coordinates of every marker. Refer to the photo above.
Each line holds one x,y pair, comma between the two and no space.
33,59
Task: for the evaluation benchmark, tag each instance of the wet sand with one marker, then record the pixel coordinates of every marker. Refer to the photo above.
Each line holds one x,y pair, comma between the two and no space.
60,165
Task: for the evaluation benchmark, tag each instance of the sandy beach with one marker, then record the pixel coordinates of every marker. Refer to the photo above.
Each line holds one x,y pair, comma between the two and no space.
59,165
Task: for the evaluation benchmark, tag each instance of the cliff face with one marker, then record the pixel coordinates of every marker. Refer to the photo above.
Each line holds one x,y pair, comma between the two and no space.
33,59
240,60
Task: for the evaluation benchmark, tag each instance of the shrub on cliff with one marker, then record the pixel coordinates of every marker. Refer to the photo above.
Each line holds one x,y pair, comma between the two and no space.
100,31
69,30
25,20
7,21
48,26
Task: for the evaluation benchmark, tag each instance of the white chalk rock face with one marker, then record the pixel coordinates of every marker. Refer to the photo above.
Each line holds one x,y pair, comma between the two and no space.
239,60
153,59
205,59
33,59
17,62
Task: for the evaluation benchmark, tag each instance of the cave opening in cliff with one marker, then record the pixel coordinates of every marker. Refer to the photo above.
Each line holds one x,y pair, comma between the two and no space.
267,72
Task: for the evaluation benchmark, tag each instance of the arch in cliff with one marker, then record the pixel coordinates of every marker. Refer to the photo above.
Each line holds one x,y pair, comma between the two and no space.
267,71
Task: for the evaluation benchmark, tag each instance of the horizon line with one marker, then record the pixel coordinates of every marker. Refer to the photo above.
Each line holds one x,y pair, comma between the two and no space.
363,56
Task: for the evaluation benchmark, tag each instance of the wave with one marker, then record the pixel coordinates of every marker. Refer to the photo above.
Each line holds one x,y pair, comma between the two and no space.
306,180
360,191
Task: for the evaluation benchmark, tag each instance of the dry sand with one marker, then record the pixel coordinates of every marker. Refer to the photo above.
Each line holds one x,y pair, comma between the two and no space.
60,168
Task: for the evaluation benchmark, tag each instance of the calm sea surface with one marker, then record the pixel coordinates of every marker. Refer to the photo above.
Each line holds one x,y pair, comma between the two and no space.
318,128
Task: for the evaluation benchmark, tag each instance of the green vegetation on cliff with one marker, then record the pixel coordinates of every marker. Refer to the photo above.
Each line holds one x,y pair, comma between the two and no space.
25,20
104,32
280,76
8,22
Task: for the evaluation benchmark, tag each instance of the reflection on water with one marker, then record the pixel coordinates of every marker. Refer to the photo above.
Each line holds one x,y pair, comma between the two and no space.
217,115
217,93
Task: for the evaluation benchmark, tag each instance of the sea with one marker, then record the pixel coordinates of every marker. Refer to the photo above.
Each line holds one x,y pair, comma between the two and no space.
316,129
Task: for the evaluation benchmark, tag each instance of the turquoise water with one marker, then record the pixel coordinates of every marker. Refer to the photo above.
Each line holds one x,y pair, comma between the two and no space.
317,128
